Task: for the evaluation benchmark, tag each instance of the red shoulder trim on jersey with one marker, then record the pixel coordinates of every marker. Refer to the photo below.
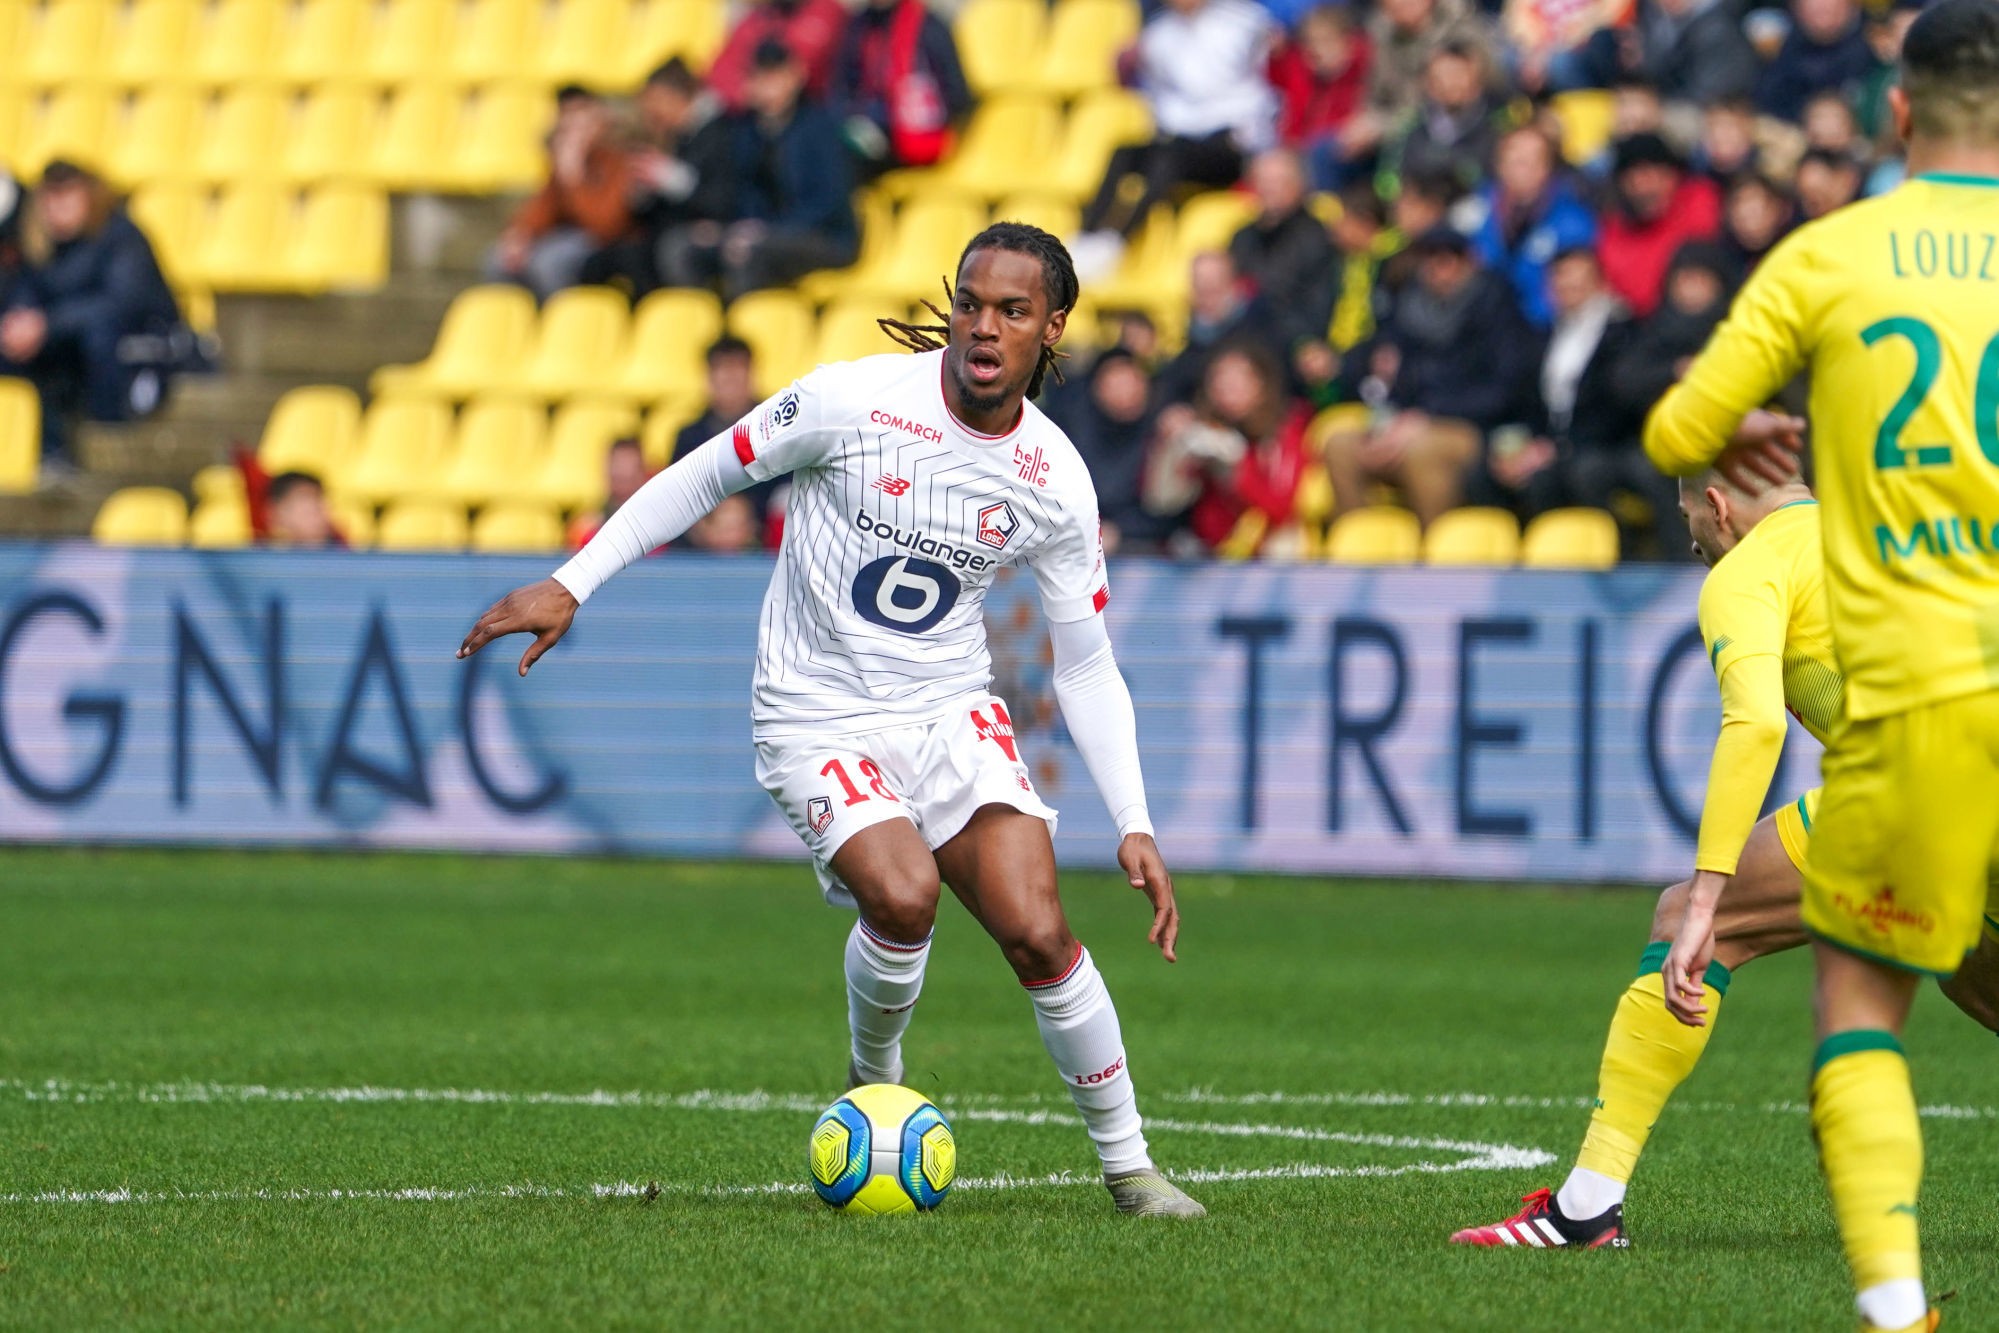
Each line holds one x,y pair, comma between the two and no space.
1102,599
741,439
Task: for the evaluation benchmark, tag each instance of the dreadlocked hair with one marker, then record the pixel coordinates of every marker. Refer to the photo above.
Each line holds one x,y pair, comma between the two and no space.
1058,280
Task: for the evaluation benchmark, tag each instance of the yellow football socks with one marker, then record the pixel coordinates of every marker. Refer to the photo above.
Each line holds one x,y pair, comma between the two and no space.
1871,1148
1647,1055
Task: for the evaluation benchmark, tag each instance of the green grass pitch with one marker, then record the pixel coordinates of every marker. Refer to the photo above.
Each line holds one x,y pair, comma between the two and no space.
264,1050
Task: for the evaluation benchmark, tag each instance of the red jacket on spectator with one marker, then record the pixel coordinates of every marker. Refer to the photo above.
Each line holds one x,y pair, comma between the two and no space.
1312,105
811,28
1266,480
1636,254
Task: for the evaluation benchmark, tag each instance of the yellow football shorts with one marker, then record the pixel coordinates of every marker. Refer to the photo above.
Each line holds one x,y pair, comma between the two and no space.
1794,825
1904,835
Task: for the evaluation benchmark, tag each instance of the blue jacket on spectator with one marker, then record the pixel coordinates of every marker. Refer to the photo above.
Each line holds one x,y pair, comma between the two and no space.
109,282
1562,221
801,177
1804,67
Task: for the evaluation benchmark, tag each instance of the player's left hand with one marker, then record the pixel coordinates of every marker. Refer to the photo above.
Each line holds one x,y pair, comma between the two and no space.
1146,869
1685,969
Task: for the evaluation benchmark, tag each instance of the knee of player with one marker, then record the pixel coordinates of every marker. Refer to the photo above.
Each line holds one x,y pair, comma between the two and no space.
1039,951
1666,916
905,907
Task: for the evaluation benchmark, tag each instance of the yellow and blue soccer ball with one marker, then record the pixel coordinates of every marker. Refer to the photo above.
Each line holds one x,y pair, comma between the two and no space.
882,1149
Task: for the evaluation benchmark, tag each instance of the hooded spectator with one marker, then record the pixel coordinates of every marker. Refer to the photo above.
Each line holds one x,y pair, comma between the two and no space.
1285,254
1658,208
1825,51
1109,418
1826,181
1320,77
898,85
1530,214
1457,122
1238,454
1756,214
584,208
809,29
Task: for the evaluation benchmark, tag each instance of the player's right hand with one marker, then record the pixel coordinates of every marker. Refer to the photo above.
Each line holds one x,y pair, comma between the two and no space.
1763,452
1685,969
542,609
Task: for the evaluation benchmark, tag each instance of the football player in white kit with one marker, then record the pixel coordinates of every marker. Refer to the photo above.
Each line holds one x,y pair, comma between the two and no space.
914,479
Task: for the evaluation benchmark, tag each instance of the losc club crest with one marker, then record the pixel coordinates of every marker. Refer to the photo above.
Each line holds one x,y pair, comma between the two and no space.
997,525
819,813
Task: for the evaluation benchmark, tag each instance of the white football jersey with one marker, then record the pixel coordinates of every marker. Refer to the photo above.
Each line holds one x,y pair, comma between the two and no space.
898,520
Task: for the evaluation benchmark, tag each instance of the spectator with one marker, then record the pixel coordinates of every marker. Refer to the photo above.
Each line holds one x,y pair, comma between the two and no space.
1831,126
1635,108
13,270
1320,77
1530,214
1542,37
624,472
1728,144
794,179
1365,240
1756,214
86,316
1455,126
1870,99
809,29
683,177
1825,51
1402,34
1658,208
730,528
1221,307
1200,64
1238,454
1826,181
295,513
585,206
898,85
1688,50
1285,254
1454,361
732,393
1109,418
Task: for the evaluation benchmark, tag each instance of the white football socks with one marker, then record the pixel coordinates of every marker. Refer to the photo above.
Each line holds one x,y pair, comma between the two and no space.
1894,1304
1588,1194
884,978
1080,1029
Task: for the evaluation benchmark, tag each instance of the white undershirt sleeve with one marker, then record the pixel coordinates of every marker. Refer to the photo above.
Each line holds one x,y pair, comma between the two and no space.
1096,706
668,505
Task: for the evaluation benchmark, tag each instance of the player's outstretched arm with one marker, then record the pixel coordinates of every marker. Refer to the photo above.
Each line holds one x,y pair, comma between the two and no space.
544,609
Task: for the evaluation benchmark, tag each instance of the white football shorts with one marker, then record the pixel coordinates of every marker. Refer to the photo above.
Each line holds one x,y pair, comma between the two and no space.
934,774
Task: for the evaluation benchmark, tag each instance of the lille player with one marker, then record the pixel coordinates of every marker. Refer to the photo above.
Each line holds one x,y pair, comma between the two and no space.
1764,620
1893,306
914,479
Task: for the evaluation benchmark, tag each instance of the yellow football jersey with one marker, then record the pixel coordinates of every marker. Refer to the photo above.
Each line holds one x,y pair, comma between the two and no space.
1893,304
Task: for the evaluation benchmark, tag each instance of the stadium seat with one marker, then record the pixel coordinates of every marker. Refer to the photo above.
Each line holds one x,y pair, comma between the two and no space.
578,345
851,330
353,520
157,141
415,133
690,29
153,42
141,516
1210,221
1477,535
573,476
661,432
1098,125
875,212
671,331
997,39
237,45
496,40
220,482
1570,539
76,123
324,42
421,525
1151,276
67,42
778,327
243,137
243,247
219,525
331,138
517,527
1058,217
584,42
922,255
173,218
341,241
403,446
315,430
499,453
480,345
410,42
498,143
16,119
20,437
1084,39
1005,149
1587,117
15,18
1376,535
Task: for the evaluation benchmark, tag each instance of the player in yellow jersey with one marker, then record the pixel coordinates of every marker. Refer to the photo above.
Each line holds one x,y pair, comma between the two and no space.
1893,306
1763,617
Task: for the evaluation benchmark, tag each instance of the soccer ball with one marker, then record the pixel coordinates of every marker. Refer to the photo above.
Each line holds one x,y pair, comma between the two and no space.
882,1149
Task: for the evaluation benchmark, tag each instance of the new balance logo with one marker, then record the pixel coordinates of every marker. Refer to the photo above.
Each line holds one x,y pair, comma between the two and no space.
891,485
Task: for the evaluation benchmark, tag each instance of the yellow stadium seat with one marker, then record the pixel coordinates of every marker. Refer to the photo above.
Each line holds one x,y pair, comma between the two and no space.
1570,539
20,437
922,256
875,212
15,16
849,330
690,29
141,516
404,443
585,42
219,525
671,331
777,325
77,124
1477,535
1151,276
1084,39
517,527
500,451
238,44
661,432
244,246
414,136
325,41
498,145
68,43
341,242
174,217
1098,125
411,42
422,525
157,141
331,138
220,482
1210,221
313,430
578,345
1058,217
1587,117
1005,149
244,137
480,345
16,119
354,520
1377,535
152,44
997,39
573,476
496,40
